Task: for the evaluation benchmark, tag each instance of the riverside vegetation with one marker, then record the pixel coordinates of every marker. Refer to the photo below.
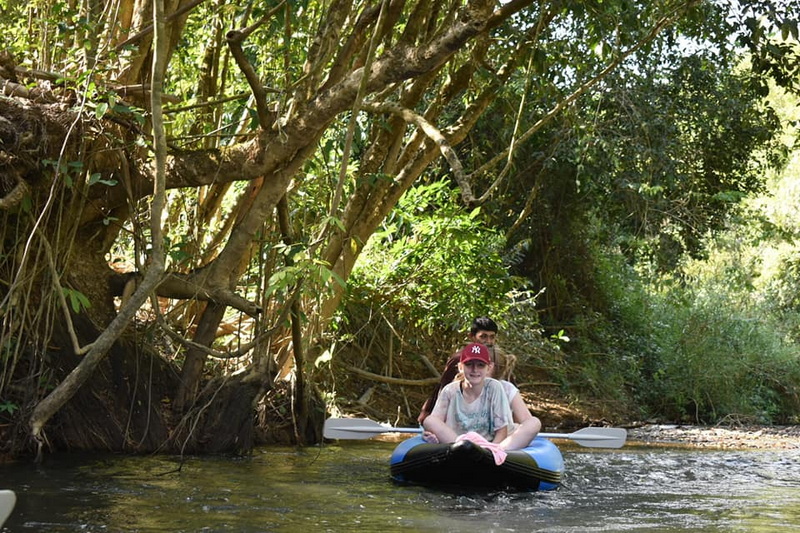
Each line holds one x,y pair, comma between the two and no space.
224,221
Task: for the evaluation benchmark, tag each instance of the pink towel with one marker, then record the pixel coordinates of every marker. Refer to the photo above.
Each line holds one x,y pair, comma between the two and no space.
498,452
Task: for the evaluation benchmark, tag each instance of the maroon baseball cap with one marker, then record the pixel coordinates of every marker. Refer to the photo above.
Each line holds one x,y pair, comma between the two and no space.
475,352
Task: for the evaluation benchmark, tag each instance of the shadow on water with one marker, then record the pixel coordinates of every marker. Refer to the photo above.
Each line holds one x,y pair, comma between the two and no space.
346,487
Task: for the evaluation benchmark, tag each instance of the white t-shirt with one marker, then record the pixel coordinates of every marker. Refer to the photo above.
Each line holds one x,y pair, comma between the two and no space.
510,388
485,415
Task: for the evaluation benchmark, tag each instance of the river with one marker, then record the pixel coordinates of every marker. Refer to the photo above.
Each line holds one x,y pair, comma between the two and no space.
346,487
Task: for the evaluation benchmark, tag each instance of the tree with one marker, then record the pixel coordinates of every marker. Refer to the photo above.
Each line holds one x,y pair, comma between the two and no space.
291,130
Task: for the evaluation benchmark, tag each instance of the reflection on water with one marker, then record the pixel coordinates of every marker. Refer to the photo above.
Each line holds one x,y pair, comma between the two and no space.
346,487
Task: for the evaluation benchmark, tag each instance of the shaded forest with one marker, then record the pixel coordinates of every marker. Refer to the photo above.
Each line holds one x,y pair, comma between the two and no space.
223,222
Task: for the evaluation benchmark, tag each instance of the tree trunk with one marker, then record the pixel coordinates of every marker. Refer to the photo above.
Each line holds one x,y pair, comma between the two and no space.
196,357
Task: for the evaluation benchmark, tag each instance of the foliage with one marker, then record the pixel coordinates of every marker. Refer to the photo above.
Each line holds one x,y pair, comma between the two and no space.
647,165
8,407
672,158
774,228
523,336
697,348
286,157
725,333
769,30
77,300
619,191
720,359
436,265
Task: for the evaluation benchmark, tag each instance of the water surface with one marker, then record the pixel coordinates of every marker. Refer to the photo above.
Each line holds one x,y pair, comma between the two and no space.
346,487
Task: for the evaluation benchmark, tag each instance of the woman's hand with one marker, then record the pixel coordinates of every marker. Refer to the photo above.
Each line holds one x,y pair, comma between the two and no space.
430,438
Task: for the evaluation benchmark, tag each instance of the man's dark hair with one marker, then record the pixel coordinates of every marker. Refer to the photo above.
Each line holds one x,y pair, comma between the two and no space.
483,323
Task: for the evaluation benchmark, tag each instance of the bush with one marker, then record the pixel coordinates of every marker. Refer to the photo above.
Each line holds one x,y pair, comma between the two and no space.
701,348
726,350
612,344
719,362
435,265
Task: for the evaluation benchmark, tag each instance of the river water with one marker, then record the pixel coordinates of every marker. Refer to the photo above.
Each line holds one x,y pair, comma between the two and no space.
346,487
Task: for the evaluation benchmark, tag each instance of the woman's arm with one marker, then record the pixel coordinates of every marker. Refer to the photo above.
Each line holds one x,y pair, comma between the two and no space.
438,427
529,426
436,422
500,435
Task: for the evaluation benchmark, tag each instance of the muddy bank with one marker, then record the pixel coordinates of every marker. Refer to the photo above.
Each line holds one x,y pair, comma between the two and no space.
558,414
740,437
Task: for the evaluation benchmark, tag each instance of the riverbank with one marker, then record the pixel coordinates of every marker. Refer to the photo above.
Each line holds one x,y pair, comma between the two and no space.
740,437
561,415
557,413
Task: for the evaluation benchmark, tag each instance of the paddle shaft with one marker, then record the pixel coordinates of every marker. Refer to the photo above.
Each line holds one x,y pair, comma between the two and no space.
378,431
362,428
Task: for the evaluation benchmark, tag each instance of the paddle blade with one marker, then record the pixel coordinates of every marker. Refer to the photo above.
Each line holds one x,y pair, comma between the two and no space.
594,437
359,428
7,501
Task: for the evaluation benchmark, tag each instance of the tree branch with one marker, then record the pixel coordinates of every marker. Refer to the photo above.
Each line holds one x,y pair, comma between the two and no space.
393,381
199,285
149,29
433,133
235,38
242,350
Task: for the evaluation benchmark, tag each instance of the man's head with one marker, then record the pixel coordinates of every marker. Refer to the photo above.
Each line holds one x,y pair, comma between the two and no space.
483,330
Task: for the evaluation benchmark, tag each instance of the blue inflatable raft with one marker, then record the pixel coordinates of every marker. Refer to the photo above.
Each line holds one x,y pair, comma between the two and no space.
465,464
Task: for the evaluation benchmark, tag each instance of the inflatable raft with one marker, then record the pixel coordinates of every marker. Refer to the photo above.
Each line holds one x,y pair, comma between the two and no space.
465,464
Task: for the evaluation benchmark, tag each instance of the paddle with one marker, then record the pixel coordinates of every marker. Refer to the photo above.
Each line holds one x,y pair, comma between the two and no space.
7,501
363,428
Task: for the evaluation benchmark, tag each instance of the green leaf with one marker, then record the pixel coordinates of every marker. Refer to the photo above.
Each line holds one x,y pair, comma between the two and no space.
100,110
336,221
77,300
8,407
97,178
789,28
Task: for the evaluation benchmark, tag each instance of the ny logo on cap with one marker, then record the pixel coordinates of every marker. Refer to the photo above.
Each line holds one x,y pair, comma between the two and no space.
476,349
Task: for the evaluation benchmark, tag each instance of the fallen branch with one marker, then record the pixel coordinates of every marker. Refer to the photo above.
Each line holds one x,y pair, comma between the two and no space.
393,381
